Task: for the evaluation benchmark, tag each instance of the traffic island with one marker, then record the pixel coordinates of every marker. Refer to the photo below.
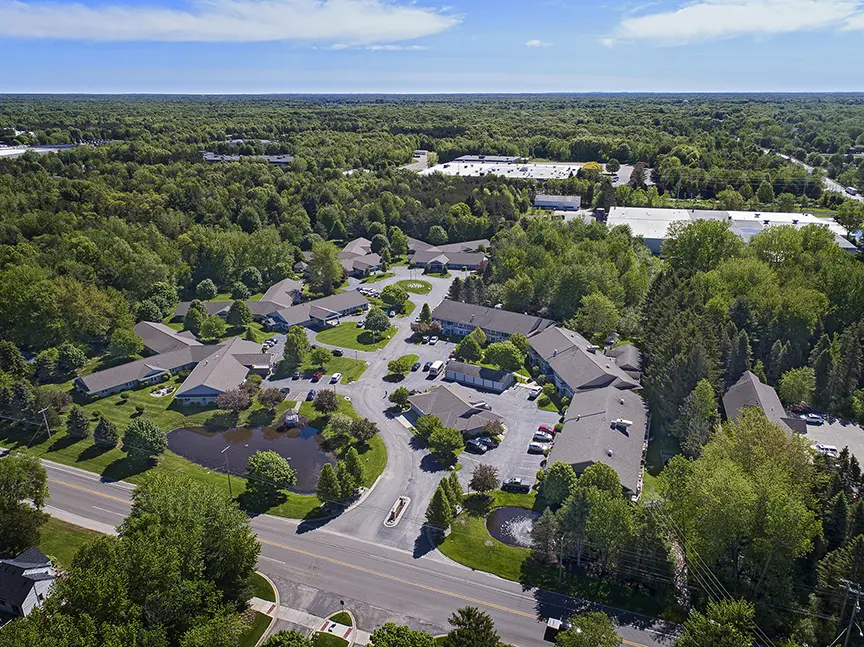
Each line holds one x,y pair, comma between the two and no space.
397,511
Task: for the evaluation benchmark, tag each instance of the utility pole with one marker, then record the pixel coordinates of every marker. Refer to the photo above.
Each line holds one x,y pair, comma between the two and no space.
47,426
228,470
851,589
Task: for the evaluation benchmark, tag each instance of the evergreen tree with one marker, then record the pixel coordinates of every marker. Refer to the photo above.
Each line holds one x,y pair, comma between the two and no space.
354,466
759,371
329,489
739,360
425,314
439,513
846,373
456,492
544,538
777,362
347,483
471,628
455,292
836,524
77,424
856,521
106,433
696,417
822,362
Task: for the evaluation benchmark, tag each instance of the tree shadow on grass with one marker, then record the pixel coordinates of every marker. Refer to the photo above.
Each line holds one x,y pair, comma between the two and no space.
123,468
219,421
65,442
261,417
92,452
477,505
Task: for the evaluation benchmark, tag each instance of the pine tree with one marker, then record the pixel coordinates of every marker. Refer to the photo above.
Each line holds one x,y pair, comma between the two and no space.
77,424
425,314
471,628
822,363
777,362
354,466
106,434
455,293
739,359
439,513
544,537
856,521
347,483
456,492
759,371
846,373
329,490
837,521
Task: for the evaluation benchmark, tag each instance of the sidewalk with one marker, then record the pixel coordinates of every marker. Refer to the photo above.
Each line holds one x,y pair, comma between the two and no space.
307,620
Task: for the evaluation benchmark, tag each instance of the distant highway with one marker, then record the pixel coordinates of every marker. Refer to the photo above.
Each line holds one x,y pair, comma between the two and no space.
831,185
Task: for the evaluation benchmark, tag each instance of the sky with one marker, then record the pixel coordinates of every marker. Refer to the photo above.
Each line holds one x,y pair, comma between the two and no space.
423,46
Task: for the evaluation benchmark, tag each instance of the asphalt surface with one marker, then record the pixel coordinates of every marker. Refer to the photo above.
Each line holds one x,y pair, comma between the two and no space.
831,185
314,566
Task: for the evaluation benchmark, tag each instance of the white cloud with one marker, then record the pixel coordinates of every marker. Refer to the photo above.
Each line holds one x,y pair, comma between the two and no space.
711,19
537,43
349,21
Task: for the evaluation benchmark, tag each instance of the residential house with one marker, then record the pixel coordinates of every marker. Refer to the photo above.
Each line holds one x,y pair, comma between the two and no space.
25,582
358,259
279,295
159,338
478,376
451,404
605,425
318,312
750,392
223,370
454,256
457,319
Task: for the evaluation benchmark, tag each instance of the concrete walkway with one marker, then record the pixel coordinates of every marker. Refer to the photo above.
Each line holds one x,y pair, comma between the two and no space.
309,621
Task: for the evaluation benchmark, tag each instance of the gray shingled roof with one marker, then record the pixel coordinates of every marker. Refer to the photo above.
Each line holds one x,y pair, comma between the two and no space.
502,321
281,293
449,403
567,353
30,558
357,247
749,391
159,338
223,370
482,372
466,246
627,356
15,583
335,302
118,375
589,436
213,307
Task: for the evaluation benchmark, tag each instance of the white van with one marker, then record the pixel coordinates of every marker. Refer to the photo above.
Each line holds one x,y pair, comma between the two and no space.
436,368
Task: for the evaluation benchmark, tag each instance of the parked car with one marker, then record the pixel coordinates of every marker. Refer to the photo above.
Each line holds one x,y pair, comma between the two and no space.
546,429
317,376
475,447
490,443
801,409
335,378
296,375
515,484
426,366
337,352
310,395
543,437
433,340
285,389
415,366
813,418
392,313
453,355
535,392
538,448
828,450
425,339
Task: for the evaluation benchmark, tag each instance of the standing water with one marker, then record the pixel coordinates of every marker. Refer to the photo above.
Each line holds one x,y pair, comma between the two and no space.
512,526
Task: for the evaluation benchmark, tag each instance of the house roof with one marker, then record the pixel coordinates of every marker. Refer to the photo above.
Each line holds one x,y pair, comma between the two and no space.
15,582
589,435
30,558
263,308
569,354
317,312
749,391
431,255
225,369
559,199
282,293
482,372
464,258
335,302
132,371
466,246
360,262
417,245
449,403
159,338
627,356
357,247
213,307
494,319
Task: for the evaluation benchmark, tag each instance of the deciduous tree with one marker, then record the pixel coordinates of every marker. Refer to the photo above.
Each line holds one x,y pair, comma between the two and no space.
267,473
444,442
144,439
326,401
484,478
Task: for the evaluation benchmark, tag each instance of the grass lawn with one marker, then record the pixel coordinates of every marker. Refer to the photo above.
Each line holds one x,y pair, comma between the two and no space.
348,335
261,588
226,296
256,629
549,406
61,540
415,285
407,309
321,639
378,277
438,275
373,455
343,618
231,332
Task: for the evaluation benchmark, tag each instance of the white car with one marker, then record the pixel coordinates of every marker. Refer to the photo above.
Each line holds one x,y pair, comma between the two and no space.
433,340
828,450
335,378
538,448
543,437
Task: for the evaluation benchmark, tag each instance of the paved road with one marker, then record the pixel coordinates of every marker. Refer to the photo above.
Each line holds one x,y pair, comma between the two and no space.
830,184
316,567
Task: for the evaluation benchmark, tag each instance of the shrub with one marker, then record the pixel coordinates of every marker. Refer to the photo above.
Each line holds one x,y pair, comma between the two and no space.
544,400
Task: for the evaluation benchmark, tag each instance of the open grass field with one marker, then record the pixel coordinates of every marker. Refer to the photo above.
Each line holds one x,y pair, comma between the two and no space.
60,540
415,285
348,335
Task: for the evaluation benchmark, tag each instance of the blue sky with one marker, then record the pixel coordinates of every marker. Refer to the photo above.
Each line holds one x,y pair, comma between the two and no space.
262,46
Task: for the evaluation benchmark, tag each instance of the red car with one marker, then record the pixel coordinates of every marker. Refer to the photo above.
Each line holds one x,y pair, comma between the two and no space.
546,429
317,376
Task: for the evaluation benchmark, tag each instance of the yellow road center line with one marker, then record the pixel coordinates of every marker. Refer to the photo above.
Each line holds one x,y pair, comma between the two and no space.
89,491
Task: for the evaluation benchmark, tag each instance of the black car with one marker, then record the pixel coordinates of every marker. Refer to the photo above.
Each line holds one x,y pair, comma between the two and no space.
296,375
490,443
337,352
475,447
416,366
426,366
515,484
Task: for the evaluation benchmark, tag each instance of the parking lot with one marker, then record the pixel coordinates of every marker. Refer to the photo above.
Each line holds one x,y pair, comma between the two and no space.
840,433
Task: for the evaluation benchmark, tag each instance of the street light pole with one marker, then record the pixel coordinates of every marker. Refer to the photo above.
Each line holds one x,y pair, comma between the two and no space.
228,471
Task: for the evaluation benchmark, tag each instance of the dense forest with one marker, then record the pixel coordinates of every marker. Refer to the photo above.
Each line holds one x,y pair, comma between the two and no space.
122,225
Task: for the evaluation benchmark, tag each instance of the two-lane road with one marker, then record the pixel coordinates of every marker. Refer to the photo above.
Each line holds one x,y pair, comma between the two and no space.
316,567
